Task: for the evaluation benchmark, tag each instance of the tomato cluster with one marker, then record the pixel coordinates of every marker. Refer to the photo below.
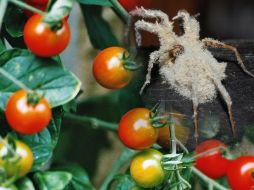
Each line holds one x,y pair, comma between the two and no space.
211,162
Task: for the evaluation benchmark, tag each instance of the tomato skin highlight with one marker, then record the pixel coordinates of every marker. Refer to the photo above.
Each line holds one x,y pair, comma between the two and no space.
24,118
24,165
136,131
146,169
240,173
108,68
213,164
42,40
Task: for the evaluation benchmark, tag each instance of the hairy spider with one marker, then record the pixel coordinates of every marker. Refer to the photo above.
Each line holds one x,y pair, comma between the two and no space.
185,63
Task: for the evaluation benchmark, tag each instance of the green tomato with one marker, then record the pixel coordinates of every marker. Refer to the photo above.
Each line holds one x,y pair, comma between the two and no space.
146,169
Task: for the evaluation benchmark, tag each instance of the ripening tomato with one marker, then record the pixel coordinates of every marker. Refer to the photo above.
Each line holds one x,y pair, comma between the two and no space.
27,118
181,132
213,164
108,68
132,4
43,40
146,169
135,129
240,173
40,1
23,165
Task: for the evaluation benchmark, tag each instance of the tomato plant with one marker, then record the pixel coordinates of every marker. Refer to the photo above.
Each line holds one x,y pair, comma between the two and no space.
109,70
146,168
41,5
240,173
23,155
44,40
213,157
26,116
135,129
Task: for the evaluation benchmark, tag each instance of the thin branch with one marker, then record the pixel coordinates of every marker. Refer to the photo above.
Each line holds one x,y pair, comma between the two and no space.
120,10
26,6
92,121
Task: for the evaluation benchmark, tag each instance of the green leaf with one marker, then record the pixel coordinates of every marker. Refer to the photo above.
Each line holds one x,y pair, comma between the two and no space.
52,180
25,184
2,46
47,76
99,31
125,182
96,2
14,21
80,179
44,143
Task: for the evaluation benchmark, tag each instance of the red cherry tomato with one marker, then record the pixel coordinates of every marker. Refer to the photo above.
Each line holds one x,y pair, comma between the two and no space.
132,4
108,68
240,173
213,164
136,131
44,41
40,1
27,118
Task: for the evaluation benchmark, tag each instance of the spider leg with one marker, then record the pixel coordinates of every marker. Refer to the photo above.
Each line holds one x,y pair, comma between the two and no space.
218,44
195,107
227,99
154,56
141,12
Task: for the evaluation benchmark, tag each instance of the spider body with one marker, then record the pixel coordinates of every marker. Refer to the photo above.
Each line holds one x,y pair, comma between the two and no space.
185,62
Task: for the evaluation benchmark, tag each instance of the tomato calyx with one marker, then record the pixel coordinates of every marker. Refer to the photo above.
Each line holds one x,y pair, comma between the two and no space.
33,98
157,120
128,62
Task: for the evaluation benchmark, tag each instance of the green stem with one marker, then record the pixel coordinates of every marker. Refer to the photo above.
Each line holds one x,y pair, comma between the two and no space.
3,7
172,136
208,180
123,158
95,122
13,79
120,10
26,6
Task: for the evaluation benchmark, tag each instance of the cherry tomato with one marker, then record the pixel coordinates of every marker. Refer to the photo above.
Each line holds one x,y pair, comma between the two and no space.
132,4
136,131
108,69
181,132
40,4
213,164
44,41
23,165
146,169
240,173
27,118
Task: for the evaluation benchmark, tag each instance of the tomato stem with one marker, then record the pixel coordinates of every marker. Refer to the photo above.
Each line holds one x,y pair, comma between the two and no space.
13,79
26,6
172,134
3,7
92,121
120,10
122,159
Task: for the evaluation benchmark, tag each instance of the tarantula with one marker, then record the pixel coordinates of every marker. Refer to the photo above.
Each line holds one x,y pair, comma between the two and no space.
185,62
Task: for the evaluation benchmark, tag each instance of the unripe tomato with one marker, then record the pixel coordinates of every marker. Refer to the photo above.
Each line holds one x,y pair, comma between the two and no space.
135,129
108,68
181,132
44,41
27,118
23,166
132,4
146,169
240,173
213,164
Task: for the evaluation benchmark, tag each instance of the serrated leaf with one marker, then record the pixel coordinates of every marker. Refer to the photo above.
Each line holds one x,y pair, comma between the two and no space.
106,3
52,180
47,76
100,33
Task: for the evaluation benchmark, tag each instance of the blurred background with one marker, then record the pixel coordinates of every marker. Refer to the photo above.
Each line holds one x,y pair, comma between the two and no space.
227,19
